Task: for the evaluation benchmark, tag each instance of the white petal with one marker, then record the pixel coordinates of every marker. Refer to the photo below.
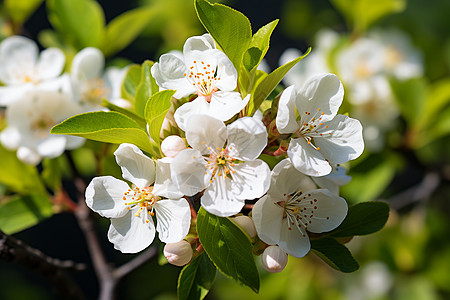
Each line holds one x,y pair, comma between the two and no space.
219,200
251,180
345,142
200,43
203,131
293,242
164,185
104,195
51,63
74,142
135,165
306,159
52,146
28,156
286,179
188,172
286,122
182,114
10,94
10,138
173,219
87,64
267,216
334,180
321,94
247,138
331,211
224,105
17,53
226,72
131,234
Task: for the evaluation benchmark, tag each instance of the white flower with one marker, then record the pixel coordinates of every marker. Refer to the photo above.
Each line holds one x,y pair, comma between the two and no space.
91,84
321,136
274,259
179,253
131,208
291,209
172,145
22,68
205,71
30,119
224,161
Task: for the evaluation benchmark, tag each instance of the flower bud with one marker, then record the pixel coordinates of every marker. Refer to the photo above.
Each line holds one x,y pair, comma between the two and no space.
246,223
274,259
179,253
171,145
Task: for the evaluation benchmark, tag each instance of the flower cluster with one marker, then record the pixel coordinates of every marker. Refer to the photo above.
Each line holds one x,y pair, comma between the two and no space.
217,158
37,94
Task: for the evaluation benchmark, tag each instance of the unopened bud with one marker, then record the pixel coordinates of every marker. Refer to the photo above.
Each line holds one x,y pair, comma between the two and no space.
179,253
172,145
274,259
246,223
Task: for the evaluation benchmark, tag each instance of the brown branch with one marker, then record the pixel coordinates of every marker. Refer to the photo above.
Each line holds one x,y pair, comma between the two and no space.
135,263
14,250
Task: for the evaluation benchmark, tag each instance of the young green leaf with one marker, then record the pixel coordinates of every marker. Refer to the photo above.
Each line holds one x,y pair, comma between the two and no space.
230,29
17,176
334,254
147,87
21,212
228,247
363,218
269,83
196,279
123,29
131,82
105,126
20,10
81,20
155,111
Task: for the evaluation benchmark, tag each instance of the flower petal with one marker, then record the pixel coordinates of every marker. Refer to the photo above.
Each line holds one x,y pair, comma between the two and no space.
219,200
51,63
87,64
247,138
267,216
52,146
286,122
16,53
331,211
136,166
224,105
306,159
203,131
182,114
28,155
164,185
345,142
131,234
10,137
293,242
188,172
250,180
322,94
173,219
200,43
334,180
104,195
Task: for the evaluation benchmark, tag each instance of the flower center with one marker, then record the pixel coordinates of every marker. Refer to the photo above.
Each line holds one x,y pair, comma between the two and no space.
220,163
94,91
204,77
141,198
299,210
41,124
310,127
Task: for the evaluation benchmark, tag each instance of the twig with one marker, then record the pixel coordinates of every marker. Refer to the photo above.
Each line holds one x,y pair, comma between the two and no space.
135,263
14,250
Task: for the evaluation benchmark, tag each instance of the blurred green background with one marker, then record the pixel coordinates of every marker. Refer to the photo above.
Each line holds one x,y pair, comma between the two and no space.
408,259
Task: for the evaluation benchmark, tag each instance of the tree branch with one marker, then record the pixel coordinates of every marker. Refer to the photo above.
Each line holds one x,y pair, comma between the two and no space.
135,263
14,250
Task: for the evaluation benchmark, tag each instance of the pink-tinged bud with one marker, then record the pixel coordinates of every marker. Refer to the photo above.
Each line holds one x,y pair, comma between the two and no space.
172,145
246,223
179,253
274,259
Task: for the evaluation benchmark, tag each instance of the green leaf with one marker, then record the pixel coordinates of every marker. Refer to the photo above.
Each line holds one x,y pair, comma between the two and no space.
334,254
147,87
19,213
82,21
363,218
230,29
123,29
20,10
269,83
105,126
155,111
362,13
17,176
411,97
131,82
196,279
125,112
228,247
259,46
